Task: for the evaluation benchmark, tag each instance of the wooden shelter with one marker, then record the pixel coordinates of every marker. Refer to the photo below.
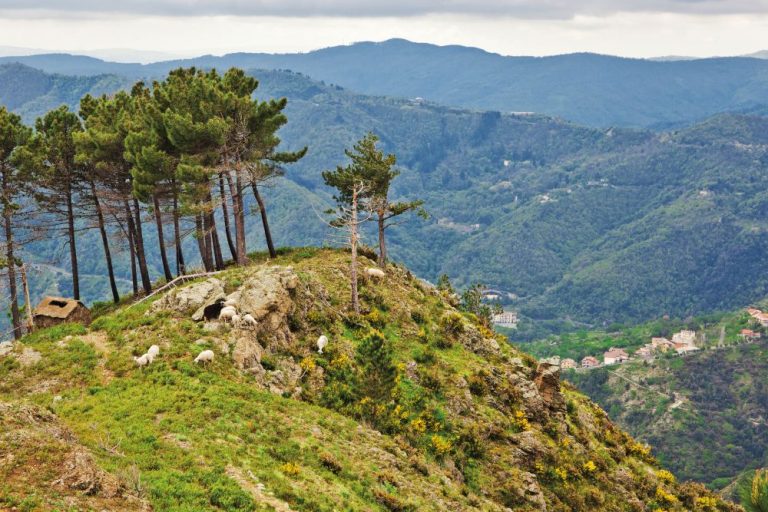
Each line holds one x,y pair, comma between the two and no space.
57,310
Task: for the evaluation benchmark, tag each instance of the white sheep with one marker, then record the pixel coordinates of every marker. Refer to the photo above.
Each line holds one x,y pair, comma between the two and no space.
206,356
249,321
236,320
142,361
154,350
227,312
322,341
374,272
150,357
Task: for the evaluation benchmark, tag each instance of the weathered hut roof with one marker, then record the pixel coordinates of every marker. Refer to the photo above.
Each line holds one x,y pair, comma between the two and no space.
57,307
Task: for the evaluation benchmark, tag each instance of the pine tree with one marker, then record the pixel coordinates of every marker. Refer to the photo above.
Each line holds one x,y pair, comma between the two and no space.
375,170
18,160
61,180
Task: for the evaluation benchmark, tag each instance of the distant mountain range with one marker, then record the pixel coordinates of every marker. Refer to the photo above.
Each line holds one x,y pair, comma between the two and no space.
594,90
598,225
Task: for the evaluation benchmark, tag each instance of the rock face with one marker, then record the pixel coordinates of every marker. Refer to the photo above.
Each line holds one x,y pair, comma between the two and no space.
6,348
192,298
547,380
266,295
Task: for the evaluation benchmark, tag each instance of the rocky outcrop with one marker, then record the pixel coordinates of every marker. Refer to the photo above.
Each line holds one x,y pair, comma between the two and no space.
194,298
266,295
547,380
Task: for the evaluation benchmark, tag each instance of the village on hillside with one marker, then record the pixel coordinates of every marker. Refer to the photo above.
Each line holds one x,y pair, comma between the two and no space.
681,343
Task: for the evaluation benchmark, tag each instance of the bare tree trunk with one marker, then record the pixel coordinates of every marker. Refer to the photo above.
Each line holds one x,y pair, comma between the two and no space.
225,211
146,283
161,238
218,258
132,247
11,259
105,243
264,222
72,244
202,243
236,191
382,241
353,246
180,266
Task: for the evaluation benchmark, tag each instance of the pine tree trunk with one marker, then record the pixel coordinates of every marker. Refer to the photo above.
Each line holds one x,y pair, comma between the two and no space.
180,266
105,243
72,245
141,256
9,256
202,244
264,222
353,246
225,211
236,191
161,238
218,258
132,248
382,241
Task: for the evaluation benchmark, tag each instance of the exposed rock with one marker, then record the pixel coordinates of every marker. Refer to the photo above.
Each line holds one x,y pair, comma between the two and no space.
547,380
285,378
191,298
29,357
6,348
532,492
473,340
247,353
266,295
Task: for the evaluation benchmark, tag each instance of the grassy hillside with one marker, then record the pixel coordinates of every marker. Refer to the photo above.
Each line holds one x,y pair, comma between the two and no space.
595,90
704,413
412,406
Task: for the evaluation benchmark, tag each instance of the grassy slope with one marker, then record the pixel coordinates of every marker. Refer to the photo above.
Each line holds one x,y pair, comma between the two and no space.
184,437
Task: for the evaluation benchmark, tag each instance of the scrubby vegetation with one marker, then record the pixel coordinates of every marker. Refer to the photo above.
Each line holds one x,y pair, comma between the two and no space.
703,413
387,418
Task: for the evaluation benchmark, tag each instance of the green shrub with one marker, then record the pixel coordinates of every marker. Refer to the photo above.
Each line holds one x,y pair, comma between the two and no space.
451,324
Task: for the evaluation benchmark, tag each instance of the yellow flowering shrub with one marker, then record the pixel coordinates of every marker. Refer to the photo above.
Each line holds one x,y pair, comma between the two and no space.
440,445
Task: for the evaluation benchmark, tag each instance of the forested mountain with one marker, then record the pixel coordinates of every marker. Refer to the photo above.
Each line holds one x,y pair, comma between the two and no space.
597,225
31,93
590,89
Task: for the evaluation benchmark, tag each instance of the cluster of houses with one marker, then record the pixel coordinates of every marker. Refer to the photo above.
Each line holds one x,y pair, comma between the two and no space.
681,343
506,319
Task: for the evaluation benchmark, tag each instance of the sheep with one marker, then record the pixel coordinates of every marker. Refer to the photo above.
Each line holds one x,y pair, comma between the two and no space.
374,272
322,341
142,361
206,356
227,312
154,350
249,321
150,357
237,320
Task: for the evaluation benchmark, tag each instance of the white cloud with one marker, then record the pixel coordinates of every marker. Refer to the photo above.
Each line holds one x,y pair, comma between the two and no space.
524,9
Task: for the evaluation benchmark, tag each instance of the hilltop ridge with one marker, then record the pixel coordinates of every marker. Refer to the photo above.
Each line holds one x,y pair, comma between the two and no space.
412,405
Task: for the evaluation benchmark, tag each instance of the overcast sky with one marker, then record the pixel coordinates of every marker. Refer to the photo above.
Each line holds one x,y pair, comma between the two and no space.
511,27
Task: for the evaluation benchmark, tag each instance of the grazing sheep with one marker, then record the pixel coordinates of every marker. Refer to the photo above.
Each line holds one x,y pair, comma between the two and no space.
227,313
150,357
237,320
322,341
142,361
206,356
154,350
249,321
374,272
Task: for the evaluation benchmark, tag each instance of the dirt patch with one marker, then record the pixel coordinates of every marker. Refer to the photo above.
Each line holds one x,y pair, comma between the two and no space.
248,482
29,357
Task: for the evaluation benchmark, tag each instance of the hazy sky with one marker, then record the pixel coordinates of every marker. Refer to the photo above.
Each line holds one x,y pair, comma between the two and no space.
510,27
